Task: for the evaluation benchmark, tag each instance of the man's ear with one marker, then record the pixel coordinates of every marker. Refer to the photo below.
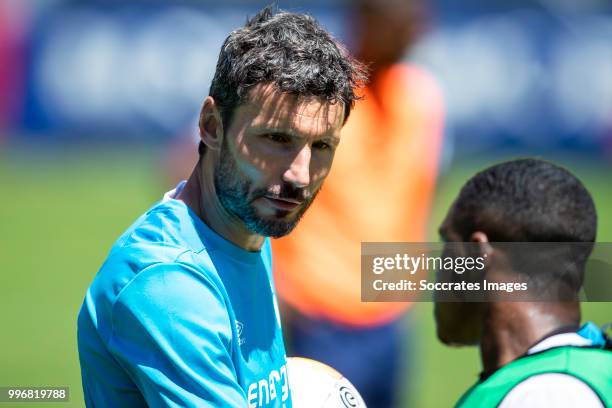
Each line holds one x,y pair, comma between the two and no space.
485,249
211,124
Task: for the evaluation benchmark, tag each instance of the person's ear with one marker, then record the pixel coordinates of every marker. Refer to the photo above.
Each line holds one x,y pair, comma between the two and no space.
485,248
211,124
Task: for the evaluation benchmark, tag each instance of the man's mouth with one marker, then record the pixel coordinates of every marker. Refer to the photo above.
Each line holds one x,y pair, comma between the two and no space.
281,203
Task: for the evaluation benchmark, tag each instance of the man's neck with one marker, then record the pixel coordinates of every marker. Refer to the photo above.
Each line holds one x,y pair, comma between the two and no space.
511,328
199,194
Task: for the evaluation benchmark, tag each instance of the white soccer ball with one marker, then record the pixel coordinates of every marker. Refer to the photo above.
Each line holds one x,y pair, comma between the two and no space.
317,385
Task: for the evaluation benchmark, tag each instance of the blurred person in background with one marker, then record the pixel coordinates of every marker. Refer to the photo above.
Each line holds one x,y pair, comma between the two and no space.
380,189
13,26
534,354
183,311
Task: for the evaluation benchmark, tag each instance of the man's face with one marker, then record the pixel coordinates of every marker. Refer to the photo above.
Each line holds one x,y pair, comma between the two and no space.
457,323
274,158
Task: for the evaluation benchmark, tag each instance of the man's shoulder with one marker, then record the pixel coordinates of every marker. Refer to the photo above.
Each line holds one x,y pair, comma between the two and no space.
584,369
137,255
166,224
164,234
551,390
133,279
160,243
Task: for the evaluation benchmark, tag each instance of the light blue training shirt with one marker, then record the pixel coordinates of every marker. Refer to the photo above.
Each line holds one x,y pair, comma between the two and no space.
177,316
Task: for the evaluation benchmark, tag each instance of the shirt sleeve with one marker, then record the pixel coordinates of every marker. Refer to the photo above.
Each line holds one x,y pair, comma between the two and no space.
172,334
552,390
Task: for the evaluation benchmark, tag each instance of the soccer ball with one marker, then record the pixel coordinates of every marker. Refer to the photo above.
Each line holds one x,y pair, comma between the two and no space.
316,385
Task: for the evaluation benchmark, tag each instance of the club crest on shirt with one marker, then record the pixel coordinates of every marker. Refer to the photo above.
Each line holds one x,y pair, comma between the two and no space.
239,329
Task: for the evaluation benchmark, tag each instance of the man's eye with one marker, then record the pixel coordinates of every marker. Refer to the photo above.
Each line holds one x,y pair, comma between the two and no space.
321,145
275,137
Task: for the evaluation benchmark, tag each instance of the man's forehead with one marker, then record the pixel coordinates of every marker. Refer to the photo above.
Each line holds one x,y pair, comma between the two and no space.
268,107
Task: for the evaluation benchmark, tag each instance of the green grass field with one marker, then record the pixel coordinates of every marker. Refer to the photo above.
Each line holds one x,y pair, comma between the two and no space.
61,212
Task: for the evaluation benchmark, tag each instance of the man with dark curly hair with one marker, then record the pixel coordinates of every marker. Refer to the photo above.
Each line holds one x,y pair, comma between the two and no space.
183,312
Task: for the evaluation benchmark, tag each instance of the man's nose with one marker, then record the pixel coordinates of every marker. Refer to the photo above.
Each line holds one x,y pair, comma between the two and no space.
298,173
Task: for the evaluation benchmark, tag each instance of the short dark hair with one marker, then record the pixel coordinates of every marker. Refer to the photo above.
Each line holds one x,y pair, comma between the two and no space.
293,53
533,201
528,200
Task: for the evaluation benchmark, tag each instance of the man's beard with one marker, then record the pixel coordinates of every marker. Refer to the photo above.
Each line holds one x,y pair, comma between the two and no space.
236,196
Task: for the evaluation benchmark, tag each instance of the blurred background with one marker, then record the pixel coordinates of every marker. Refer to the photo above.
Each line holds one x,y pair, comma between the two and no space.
95,95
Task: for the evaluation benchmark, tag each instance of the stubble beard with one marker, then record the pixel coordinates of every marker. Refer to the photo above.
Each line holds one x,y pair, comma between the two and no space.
236,195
